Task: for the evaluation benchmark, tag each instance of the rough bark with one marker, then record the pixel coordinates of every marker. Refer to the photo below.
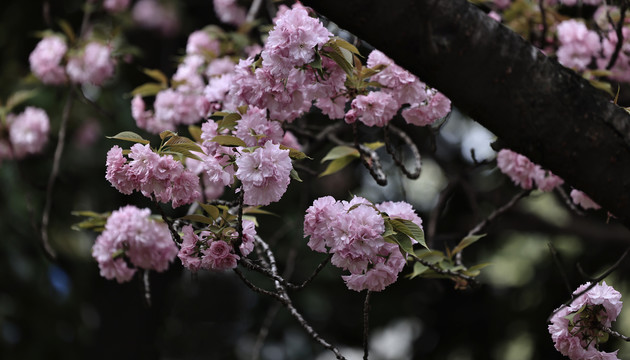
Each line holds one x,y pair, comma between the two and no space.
534,105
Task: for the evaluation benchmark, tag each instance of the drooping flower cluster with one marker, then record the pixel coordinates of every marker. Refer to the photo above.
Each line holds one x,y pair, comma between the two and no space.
214,250
92,64
155,176
27,133
576,330
131,237
525,173
353,232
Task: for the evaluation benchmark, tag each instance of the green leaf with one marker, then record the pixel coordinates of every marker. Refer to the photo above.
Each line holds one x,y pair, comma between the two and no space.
212,210
295,176
430,256
337,165
467,241
340,60
156,74
148,89
167,133
374,145
198,218
339,152
389,230
195,132
67,29
345,45
403,241
229,121
410,229
295,154
129,136
227,140
475,270
257,210
418,269
19,97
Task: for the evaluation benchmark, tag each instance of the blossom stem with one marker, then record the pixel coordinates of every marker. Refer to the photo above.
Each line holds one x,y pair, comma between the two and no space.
414,149
61,139
619,32
366,324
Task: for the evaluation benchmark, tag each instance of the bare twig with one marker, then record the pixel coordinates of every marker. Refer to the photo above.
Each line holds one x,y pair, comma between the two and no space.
567,201
264,330
366,325
556,260
61,139
615,334
619,32
283,297
412,146
147,287
169,223
498,212
369,158
455,275
545,27
313,275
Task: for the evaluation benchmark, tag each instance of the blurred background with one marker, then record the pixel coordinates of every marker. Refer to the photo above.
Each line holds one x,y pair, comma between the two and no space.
63,309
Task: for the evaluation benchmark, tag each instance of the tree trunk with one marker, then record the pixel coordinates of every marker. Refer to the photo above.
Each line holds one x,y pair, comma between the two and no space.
533,104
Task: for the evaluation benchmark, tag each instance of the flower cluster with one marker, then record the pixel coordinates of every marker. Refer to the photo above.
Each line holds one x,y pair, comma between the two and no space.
230,12
214,250
159,177
583,200
353,232
525,173
28,133
576,330
131,237
92,64
578,45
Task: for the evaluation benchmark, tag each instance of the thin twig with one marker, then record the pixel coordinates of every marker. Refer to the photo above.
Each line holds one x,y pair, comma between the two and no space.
147,287
619,32
264,330
61,139
366,324
568,201
313,275
412,146
437,210
556,260
498,212
545,27
369,158
169,224
469,279
258,289
615,334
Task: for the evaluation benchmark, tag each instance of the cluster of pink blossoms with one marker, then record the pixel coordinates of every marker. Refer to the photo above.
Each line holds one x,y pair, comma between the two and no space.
230,12
132,237
352,231
155,176
581,199
525,173
207,251
28,133
92,64
399,87
576,329
578,45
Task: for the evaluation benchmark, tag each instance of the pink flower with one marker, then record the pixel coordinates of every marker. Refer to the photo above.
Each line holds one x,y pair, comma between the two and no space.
293,41
117,172
93,65
200,42
189,251
518,167
525,173
130,233
404,87
580,198
185,189
318,221
621,69
151,14
28,131
578,45
376,108
423,114
114,6
46,60
229,12
254,122
264,173
334,108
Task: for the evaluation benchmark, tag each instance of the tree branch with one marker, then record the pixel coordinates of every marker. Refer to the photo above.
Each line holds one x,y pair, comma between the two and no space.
532,103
